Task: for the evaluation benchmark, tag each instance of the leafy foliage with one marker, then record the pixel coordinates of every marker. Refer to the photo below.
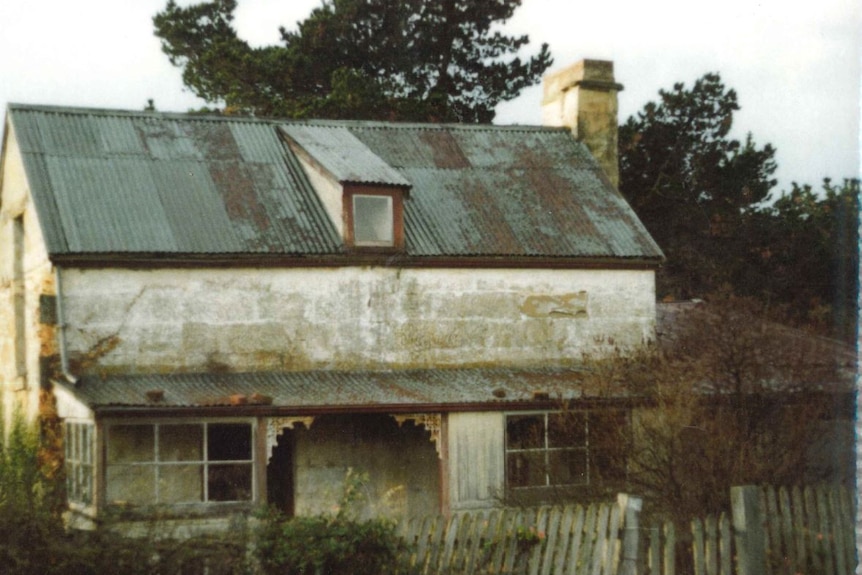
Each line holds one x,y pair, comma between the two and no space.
28,524
33,538
336,544
690,183
706,199
803,255
364,59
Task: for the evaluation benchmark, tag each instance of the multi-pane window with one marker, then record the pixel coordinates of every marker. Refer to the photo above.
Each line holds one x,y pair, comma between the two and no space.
373,221
79,455
179,463
565,448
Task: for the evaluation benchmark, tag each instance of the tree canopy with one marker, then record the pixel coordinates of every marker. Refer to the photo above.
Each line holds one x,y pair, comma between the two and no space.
690,182
706,199
419,60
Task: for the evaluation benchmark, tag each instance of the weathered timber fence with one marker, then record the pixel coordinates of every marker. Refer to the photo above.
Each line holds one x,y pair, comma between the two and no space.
599,539
770,532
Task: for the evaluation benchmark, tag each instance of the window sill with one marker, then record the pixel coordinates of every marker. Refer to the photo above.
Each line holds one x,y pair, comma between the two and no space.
178,511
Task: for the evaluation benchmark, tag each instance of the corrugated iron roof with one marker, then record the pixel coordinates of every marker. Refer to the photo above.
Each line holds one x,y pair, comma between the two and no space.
303,391
346,158
111,182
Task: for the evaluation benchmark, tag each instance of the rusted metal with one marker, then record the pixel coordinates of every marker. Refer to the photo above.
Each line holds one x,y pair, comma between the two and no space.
328,390
168,186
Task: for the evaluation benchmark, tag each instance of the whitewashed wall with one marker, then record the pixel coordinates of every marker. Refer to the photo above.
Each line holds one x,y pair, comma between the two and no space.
295,319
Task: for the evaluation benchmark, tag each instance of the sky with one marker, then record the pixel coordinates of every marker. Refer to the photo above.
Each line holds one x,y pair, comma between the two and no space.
794,65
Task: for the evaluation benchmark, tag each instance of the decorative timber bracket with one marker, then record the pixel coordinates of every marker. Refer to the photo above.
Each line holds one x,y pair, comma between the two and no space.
275,426
430,421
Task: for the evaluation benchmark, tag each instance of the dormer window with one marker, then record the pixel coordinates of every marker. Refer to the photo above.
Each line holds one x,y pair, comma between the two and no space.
372,221
363,195
373,217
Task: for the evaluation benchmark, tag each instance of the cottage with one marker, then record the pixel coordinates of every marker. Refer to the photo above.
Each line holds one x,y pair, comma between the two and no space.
234,311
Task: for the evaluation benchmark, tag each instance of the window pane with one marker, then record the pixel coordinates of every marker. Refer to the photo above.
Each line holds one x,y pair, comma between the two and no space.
229,482
131,443
229,442
86,495
609,438
181,483
86,443
181,442
526,469
73,450
567,429
525,431
372,220
608,430
134,484
608,466
568,467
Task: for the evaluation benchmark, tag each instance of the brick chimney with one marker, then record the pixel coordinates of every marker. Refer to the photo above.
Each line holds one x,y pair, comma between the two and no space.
583,97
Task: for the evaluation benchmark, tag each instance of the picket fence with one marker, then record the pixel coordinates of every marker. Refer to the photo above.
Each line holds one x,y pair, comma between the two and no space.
768,532
564,540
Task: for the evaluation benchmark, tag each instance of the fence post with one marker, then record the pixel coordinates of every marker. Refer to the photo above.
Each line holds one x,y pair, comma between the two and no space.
748,524
631,507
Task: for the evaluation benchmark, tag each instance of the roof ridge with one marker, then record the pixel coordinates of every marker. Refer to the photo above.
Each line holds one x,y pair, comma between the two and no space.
274,120
118,112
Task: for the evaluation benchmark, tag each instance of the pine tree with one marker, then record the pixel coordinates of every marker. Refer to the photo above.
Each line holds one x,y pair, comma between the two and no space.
419,60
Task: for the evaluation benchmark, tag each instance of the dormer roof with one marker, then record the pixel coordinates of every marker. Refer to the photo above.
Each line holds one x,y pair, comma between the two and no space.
144,187
342,154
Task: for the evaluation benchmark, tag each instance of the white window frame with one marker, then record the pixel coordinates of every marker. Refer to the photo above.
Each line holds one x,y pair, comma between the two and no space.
79,439
156,464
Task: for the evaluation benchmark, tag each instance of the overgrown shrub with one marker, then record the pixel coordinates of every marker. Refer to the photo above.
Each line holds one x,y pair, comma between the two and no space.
34,541
28,526
335,544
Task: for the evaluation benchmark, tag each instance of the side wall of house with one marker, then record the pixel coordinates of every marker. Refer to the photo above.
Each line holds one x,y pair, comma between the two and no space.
26,334
348,318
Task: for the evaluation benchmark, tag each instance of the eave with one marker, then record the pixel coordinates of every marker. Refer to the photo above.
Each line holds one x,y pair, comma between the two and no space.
358,257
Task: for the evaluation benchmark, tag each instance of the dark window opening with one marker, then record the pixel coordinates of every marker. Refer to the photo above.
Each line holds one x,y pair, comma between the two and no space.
565,448
179,463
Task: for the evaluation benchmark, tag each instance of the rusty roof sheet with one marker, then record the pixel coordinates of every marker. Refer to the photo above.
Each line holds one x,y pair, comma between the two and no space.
143,183
321,390
114,182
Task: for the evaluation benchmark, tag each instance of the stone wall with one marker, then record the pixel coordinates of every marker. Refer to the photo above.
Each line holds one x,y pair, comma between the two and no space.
348,318
27,336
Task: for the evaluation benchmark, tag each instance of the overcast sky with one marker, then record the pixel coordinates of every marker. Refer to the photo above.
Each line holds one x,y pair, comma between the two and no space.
794,65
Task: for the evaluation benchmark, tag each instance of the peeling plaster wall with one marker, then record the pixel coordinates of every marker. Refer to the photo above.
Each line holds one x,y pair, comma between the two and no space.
21,380
349,318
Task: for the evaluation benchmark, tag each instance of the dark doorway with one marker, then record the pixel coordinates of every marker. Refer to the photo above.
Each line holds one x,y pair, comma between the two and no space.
279,474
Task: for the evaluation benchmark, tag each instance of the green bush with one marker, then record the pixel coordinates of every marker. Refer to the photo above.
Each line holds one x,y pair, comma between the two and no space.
28,525
34,541
337,544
